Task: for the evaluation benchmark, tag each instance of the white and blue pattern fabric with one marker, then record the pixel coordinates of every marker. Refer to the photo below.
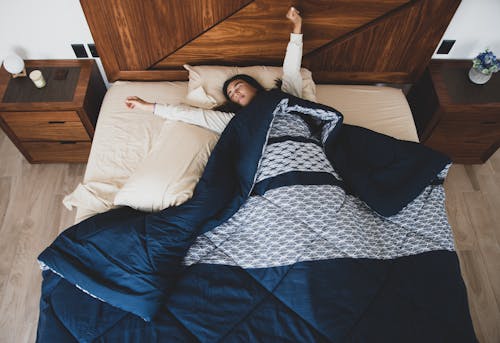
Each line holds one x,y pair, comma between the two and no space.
330,118
443,173
289,125
299,223
289,156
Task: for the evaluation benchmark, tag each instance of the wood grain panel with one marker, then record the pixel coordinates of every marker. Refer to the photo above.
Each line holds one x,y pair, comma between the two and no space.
356,41
260,31
133,35
479,133
153,75
468,149
92,100
402,42
5,185
58,152
34,215
53,126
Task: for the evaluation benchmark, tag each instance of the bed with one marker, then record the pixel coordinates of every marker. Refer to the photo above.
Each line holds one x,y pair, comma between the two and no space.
124,138
231,265
304,221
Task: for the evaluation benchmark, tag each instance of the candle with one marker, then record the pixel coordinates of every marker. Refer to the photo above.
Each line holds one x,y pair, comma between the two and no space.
37,78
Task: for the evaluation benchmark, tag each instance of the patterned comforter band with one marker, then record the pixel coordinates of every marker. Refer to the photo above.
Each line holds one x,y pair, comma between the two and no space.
300,211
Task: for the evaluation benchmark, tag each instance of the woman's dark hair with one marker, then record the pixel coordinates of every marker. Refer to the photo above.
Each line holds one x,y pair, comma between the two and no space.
228,106
248,79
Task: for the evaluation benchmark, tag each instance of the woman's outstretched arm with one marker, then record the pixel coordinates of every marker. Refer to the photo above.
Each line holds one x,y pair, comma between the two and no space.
212,120
292,80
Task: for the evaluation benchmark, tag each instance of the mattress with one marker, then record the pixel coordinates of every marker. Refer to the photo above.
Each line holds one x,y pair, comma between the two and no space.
123,138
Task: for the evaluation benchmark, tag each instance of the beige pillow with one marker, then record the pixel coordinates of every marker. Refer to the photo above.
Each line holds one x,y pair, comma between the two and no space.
205,82
170,172
381,109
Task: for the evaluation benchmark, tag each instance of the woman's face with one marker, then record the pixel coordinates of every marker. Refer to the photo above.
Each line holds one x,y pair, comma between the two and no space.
241,92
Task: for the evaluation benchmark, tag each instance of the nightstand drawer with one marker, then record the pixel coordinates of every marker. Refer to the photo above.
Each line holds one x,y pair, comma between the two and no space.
467,152
50,126
485,131
488,117
76,152
469,144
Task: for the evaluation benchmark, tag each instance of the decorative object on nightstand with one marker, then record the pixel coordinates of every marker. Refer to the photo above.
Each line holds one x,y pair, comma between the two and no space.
455,116
15,66
483,66
37,77
55,123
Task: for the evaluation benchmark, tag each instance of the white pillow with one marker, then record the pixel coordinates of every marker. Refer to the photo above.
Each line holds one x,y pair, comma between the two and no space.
170,172
205,82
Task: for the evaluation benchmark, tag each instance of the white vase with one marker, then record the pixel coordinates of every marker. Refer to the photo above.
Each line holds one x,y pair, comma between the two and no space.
477,77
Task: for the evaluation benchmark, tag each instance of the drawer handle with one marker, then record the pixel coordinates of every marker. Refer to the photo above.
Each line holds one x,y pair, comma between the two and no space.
68,142
488,122
56,122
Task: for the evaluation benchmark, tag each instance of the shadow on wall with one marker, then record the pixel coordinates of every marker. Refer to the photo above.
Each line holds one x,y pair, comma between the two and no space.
473,46
20,51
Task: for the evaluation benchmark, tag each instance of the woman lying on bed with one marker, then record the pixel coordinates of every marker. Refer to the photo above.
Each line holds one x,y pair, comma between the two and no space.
239,90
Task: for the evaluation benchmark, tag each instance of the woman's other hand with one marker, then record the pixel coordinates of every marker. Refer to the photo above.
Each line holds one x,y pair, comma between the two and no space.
294,16
136,102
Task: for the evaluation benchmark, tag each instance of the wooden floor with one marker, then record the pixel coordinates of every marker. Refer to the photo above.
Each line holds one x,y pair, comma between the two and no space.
31,216
473,206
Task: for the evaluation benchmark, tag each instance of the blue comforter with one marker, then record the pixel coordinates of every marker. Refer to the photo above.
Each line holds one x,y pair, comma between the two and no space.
275,245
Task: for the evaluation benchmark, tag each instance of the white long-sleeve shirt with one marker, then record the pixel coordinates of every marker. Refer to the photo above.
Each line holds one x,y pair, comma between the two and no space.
217,120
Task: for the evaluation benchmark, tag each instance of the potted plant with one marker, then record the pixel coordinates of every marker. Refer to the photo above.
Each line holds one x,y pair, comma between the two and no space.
483,66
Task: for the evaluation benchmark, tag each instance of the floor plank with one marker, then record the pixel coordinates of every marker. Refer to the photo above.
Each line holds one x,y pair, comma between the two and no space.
32,215
472,202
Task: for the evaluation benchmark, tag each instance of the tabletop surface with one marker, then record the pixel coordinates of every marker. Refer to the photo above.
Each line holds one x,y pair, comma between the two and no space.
60,87
460,89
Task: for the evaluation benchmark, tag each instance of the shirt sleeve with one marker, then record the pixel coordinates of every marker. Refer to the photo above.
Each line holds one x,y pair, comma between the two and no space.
212,120
292,80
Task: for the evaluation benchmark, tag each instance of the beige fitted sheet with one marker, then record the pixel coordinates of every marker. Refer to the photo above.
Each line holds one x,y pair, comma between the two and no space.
381,109
123,138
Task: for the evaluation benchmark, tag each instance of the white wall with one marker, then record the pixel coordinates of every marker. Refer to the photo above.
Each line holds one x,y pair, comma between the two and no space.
42,29
475,27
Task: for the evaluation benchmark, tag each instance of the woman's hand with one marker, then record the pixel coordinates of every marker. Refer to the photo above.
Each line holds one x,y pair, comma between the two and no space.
294,16
136,102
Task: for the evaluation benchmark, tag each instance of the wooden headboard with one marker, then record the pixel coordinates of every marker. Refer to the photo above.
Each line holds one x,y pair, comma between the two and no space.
345,41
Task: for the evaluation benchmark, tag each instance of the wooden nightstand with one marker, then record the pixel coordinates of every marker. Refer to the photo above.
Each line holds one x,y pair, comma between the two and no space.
55,123
454,115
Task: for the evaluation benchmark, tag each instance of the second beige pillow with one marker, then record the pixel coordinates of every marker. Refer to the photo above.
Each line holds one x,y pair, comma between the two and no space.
170,172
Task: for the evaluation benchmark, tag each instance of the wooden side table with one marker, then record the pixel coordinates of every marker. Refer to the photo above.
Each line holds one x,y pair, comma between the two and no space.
454,115
55,123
